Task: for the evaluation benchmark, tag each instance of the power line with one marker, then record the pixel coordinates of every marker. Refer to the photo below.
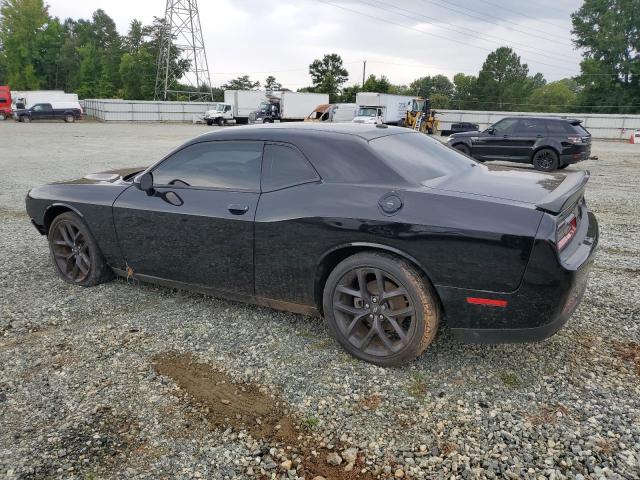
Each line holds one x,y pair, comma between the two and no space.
460,29
431,34
465,11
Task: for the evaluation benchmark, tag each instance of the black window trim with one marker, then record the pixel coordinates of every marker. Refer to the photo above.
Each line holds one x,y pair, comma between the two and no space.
295,184
214,189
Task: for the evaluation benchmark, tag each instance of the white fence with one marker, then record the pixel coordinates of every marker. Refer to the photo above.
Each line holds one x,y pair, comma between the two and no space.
145,111
609,126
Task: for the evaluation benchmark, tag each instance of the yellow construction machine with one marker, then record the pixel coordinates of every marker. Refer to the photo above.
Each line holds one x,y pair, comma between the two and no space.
420,117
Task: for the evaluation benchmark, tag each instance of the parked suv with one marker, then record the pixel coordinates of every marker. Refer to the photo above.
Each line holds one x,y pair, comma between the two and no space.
67,111
548,143
461,127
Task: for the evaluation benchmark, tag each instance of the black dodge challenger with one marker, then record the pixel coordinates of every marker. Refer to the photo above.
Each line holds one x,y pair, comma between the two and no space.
383,231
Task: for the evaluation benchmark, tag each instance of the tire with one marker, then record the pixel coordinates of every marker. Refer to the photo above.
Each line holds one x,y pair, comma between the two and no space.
25,119
401,122
69,118
209,122
545,160
74,250
219,121
350,311
462,148
267,120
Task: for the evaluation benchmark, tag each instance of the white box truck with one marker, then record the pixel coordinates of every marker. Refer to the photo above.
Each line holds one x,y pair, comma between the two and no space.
381,108
29,98
288,107
244,102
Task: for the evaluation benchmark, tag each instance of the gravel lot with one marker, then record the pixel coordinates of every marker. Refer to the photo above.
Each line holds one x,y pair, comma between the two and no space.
128,380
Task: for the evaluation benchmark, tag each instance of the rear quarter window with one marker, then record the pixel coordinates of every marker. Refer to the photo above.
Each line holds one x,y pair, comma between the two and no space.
283,167
418,158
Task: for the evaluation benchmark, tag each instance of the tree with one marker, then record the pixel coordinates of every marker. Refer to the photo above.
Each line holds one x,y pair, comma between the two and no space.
427,86
557,96
464,87
374,84
328,75
271,85
503,82
608,31
241,83
22,23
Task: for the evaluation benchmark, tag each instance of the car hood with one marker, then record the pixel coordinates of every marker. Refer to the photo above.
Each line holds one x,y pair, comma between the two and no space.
501,182
110,176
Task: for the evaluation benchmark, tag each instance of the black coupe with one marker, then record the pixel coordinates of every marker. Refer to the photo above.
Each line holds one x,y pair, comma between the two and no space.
384,231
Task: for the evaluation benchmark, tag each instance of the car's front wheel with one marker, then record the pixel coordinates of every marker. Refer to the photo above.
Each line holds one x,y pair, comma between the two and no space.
380,308
75,253
462,148
545,160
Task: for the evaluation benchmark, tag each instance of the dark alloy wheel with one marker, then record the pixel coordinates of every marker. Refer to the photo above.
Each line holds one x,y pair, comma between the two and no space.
545,160
462,148
380,308
74,252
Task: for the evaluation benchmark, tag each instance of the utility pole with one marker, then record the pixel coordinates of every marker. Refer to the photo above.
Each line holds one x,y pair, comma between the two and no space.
182,26
364,72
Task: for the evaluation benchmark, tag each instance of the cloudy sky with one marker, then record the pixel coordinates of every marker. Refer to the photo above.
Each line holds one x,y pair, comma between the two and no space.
402,39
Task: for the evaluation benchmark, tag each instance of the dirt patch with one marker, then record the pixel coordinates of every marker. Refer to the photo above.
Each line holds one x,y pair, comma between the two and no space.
226,403
547,414
629,352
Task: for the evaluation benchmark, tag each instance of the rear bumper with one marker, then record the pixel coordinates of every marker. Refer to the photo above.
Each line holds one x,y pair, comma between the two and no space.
577,154
551,290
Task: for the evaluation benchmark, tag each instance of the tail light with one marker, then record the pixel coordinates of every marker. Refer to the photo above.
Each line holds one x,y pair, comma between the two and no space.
575,139
566,231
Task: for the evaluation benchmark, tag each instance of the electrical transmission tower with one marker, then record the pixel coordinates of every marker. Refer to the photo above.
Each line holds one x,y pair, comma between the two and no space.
181,40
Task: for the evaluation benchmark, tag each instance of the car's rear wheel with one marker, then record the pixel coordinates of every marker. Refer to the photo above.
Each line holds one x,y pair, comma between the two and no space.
75,253
545,160
461,147
380,308
69,118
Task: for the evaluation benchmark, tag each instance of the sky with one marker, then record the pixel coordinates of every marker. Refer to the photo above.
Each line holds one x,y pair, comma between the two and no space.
402,39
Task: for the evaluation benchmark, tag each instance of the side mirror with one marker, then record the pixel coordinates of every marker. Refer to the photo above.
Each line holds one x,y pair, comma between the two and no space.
144,182
491,130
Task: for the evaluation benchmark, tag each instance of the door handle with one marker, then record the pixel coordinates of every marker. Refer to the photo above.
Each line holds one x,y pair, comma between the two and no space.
505,136
237,209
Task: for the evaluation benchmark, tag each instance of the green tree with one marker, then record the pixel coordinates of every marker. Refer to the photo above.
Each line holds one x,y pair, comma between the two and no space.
503,82
464,87
241,83
557,96
271,84
374,84
21,27
348,94
608,31
428,86
328,75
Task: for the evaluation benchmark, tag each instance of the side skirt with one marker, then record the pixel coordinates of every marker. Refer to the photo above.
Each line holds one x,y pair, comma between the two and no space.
233,296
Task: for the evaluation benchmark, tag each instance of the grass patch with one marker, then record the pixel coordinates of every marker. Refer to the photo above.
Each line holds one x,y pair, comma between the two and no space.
418,384
311,422
510,379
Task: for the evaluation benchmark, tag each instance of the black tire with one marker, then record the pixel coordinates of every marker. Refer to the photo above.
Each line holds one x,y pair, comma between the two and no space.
401,122
219,121
545,160
69,118
462,148
75,255
25,119
209,122
268,120
361,320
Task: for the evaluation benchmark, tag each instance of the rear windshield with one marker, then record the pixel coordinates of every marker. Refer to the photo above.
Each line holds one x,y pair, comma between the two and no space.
419,158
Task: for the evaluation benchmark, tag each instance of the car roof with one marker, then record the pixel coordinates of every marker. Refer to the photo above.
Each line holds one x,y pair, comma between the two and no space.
294,130
565,119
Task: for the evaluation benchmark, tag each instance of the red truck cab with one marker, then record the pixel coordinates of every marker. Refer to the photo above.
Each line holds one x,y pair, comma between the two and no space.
5,102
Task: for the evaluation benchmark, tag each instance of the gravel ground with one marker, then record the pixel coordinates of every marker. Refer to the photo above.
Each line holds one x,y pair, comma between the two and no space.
127,380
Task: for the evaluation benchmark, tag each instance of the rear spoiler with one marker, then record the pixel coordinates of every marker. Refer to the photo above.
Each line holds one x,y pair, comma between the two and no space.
566,194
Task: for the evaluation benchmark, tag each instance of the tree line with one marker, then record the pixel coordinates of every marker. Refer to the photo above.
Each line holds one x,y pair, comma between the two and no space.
38,51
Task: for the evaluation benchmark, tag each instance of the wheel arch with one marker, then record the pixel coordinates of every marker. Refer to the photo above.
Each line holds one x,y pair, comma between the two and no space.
332,257
56,209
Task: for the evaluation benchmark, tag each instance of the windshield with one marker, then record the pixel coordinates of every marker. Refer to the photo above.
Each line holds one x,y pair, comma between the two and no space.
218,107
367,112
417,157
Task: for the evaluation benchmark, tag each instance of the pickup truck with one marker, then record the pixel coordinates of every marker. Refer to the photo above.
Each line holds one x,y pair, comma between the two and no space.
67,111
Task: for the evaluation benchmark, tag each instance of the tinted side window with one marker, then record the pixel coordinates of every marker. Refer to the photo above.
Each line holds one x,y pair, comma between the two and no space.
505,125
233,165
284,167
531,126
559,127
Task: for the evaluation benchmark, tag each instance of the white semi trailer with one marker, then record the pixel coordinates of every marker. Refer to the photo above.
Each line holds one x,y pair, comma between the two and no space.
288,106
244,102
381,108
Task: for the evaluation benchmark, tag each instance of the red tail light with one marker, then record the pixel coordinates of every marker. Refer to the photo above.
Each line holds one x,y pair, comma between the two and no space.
566,231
